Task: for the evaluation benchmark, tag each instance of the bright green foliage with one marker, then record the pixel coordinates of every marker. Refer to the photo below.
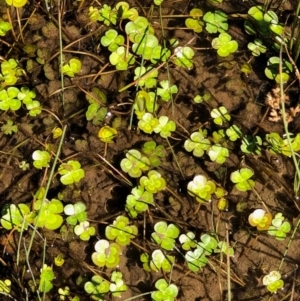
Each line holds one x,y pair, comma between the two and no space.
224,248
273,281
71,172
224,44
26,95
96,110
121,59
138,29
138,201
76,213
124,12
144,45
208,244
120,231
279,227
10,71
165,127
149,77
63,293
201,188
261,219
107,254
106,15
219,137
165,291
117,286
153,152
158,261
216,21
9,127
4,28
97,287
5,286
257,47
158,2
251,144
9,99
272,69
184,57
49,213
166,90
220,115
160,54
148,123
234,132
72,68
135,163
84,231
16,217
187,241
46,277
198,143
218,153
242,180
165,235
196,259
16,3
281,146
154,182
195,23
107,133
41,159
34,108
112,40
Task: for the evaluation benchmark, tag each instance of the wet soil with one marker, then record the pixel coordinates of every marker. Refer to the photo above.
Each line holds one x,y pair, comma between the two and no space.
104,192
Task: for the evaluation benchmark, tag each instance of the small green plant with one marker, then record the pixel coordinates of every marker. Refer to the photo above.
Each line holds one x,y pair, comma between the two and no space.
216,21
149,75
208,244
9,99
165,291
272,70
198,143
72,68
41,159
251,144
120,231
234,133
76,213
49,213
196,259
148,123
97,287
138,201
121,59
184,57
71,172
4,27
218,153
5,286
10,71
46,278
107,254
157,261
166,90
154,152
106,134
84,230
117,286
64,292
135,163
279,227
224,44
9,128
257,47
224,248
242,180
220,115
273,281
195,23
187,241
201,188
16,216
154,182
165,127
260,219
165,235
112,40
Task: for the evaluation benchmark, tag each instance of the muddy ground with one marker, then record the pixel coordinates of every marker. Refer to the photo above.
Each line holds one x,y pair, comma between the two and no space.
104,192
